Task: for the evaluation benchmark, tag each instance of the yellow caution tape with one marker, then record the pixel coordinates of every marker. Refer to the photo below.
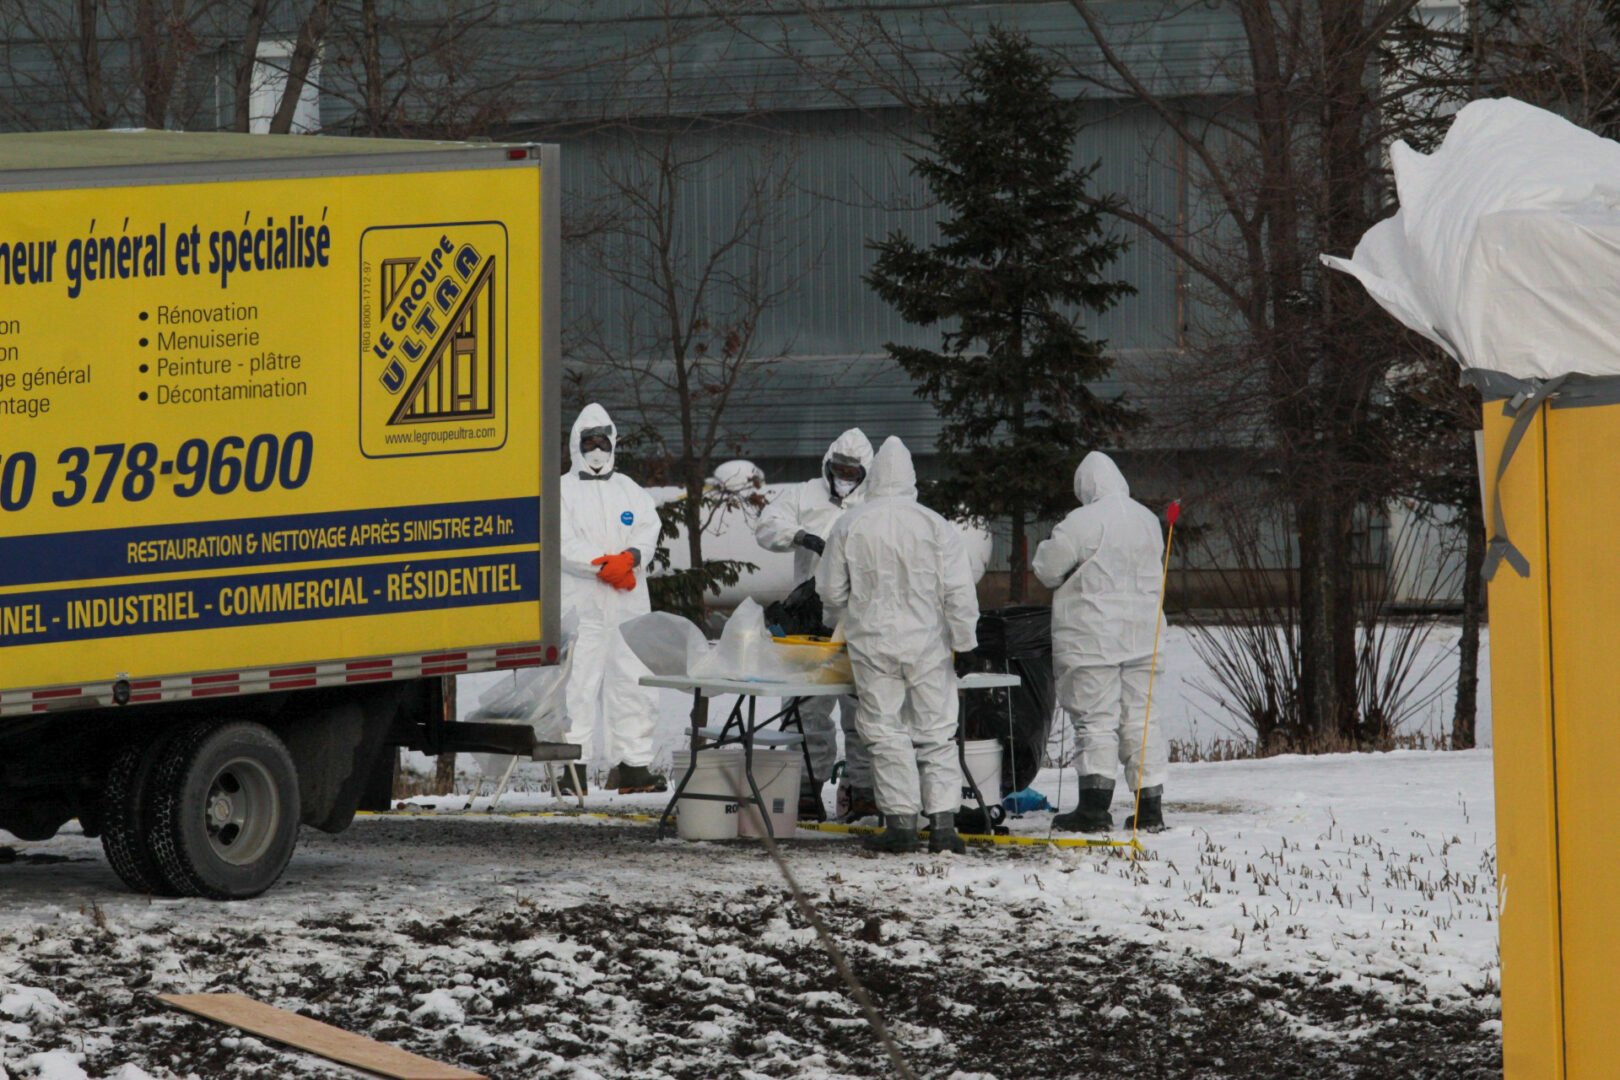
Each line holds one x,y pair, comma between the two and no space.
814,826
425,812
978,838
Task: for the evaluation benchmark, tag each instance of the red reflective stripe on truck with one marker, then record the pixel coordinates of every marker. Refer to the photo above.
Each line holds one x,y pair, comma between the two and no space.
26,701
210,680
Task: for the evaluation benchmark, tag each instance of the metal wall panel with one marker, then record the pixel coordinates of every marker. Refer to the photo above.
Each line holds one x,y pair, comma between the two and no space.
849,183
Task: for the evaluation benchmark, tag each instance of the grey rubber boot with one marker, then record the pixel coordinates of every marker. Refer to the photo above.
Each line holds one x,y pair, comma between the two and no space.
1150,816
899,835
942,834
1091,816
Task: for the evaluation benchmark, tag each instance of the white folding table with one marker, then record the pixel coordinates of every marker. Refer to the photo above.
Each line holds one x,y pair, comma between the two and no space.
750,731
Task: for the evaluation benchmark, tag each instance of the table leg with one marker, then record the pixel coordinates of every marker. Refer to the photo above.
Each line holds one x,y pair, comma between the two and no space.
699,713
793,716
748,769
961,756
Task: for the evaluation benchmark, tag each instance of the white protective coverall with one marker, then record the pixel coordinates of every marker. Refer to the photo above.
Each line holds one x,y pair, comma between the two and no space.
901,573
1104,563
812,507
604,513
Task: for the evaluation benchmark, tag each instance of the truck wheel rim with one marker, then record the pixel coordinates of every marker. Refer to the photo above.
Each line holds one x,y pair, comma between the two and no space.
242,812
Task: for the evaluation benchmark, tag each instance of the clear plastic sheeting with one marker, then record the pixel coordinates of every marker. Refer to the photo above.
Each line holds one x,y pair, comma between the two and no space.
668,644
534,696
746,651
671,645
1506,249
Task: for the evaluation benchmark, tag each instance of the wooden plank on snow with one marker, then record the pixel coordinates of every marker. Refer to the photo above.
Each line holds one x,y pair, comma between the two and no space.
301,1032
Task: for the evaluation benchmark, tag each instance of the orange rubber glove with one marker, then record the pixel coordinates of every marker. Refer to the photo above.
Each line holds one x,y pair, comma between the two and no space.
618,570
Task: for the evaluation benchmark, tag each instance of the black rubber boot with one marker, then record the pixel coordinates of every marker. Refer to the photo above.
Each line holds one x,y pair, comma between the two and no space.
942,834
634,779
1150,816
862,804
810,807
571,781
1091,816
899,835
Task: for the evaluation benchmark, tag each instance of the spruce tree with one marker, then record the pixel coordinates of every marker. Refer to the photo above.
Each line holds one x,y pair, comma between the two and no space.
1021,259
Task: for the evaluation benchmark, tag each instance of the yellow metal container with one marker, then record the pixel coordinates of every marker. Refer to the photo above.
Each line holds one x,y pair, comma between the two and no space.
1555,647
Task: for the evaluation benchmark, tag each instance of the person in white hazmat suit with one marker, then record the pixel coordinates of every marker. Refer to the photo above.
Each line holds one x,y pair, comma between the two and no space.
609,531
1104,563
799,520
900,572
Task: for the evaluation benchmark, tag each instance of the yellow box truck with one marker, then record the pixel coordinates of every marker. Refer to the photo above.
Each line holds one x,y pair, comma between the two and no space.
278,457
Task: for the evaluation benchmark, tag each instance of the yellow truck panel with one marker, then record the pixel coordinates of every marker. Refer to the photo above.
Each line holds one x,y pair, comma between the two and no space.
264,414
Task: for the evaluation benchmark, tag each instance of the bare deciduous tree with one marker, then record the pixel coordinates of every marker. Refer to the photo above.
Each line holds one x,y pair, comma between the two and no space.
695,235
1291,164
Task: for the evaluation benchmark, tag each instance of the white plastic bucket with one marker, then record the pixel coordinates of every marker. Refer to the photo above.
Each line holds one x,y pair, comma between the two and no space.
984,765
777,774
719,772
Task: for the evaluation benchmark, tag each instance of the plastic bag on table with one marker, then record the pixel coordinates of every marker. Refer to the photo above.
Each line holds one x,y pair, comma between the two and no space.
815,659
799,613
667,643
745,650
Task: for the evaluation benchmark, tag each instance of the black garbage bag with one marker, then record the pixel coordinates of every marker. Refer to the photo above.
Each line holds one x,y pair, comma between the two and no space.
797,613
1015,641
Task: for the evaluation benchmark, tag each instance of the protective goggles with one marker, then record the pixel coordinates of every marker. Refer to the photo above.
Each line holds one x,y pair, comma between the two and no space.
853,473
595,440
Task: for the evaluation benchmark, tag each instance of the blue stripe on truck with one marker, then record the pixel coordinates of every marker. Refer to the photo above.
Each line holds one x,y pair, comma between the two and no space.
266,541
208,603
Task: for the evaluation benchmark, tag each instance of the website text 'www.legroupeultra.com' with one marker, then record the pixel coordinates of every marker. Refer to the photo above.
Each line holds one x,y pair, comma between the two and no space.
434,436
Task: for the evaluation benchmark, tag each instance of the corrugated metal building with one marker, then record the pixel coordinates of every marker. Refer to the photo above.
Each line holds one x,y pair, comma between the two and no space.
814,96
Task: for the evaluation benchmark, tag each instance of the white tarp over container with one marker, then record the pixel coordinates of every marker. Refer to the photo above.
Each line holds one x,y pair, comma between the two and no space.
1506,249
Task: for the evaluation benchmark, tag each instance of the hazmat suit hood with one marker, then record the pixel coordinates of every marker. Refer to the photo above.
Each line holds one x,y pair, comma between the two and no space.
592,417
892,476
851,446
1098,477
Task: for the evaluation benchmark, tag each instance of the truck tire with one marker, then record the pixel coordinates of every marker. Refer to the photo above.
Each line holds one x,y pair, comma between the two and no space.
126,817
225,810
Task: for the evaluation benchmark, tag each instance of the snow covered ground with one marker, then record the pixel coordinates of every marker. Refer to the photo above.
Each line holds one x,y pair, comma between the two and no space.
1304,917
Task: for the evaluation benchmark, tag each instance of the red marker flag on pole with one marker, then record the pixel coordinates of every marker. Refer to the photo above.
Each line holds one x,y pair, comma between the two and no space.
1173,511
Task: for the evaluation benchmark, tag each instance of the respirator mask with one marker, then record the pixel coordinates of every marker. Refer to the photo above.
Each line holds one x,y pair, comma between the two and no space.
596,449
843,477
